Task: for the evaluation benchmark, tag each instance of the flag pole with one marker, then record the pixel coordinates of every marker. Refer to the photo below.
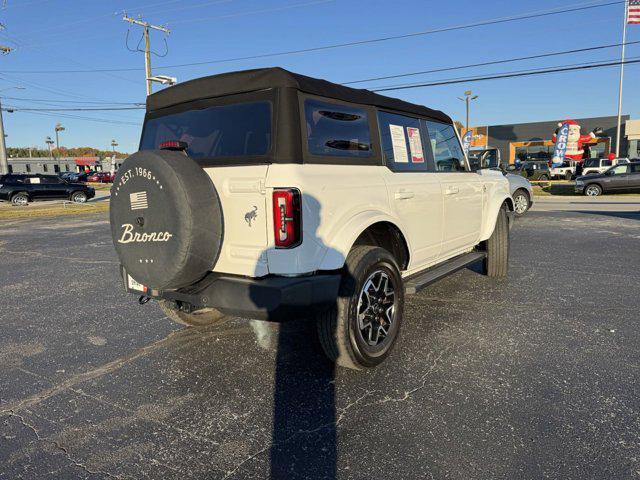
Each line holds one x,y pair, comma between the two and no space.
624,40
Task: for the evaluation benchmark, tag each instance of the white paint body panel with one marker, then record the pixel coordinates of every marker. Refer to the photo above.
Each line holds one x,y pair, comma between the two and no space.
339,202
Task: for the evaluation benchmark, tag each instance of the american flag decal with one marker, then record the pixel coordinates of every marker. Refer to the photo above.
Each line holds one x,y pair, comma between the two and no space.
633,14
138,200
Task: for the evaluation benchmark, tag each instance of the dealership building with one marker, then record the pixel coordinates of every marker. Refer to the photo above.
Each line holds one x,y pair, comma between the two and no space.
532,141
55,165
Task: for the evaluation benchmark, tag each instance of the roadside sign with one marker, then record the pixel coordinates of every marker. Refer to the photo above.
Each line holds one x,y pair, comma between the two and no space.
466,141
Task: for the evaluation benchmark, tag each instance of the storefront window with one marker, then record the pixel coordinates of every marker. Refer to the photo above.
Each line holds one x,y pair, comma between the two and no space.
534,152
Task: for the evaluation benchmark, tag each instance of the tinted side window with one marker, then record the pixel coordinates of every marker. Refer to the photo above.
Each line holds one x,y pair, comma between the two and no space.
446,148
337,130
606,163
401,142
635,168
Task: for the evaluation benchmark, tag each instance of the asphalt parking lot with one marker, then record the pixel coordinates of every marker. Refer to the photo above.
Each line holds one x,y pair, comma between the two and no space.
534,376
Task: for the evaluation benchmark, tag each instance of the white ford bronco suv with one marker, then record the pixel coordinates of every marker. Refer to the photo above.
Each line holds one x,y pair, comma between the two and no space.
275,196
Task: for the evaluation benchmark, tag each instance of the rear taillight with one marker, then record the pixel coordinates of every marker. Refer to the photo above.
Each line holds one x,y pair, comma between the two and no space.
173,145
287,217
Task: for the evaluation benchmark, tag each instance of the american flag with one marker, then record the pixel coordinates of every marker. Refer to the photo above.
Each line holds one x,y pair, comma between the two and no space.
633,15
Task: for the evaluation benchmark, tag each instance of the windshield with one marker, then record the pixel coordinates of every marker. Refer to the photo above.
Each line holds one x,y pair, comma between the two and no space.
220,131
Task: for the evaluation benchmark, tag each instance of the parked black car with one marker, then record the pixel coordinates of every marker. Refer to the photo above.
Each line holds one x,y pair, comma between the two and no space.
621,177
20,189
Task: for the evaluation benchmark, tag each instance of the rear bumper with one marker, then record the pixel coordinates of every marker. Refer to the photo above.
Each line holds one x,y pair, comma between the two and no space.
271,298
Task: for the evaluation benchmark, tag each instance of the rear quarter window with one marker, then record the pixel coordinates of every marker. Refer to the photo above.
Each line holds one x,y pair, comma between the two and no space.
337,130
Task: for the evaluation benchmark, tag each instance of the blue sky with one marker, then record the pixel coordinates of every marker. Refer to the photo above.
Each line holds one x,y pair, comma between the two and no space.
81,34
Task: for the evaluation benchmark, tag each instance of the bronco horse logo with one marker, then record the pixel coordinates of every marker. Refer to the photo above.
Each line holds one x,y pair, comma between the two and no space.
251,215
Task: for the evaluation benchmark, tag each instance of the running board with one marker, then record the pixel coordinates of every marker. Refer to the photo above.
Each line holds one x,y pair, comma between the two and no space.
417,282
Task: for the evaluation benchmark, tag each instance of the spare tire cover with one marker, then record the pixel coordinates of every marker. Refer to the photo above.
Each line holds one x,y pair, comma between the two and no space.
166,219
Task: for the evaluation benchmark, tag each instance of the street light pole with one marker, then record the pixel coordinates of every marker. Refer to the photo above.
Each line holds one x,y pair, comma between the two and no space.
467,99
4,163
59,128
49,143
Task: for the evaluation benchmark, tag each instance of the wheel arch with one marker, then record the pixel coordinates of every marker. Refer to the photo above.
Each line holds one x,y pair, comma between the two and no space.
492,215
368,228
18,192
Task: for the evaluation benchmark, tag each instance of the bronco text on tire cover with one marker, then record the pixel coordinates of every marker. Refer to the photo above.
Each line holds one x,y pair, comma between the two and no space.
166,219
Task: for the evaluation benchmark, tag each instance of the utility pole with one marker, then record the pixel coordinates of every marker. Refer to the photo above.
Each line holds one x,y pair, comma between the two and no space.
467,99
4,163
147,45
3,48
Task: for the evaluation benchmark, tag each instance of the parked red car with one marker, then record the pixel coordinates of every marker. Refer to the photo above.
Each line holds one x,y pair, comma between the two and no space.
101,177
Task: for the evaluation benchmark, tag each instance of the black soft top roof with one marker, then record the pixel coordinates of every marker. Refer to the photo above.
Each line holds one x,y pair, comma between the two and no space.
264,78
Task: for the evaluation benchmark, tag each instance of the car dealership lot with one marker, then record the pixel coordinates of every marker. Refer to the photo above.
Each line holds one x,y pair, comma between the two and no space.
533,376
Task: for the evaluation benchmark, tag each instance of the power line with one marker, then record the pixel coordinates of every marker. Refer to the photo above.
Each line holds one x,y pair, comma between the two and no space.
73,101
527,16
78,117
493,62
75,109
507,75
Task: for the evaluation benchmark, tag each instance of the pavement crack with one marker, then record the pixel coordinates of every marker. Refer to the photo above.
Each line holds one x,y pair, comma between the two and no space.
58,446
180,336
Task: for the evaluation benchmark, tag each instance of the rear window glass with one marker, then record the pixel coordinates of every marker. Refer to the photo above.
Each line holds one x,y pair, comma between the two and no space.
221,131
337,130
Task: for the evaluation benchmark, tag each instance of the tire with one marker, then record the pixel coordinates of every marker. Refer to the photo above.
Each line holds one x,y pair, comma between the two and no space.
198,318
79,197
521,202
20,199
592,190
568,176
544,178
496,263
354,342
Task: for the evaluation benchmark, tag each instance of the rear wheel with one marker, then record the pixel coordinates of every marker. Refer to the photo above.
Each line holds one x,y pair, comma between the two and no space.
197,318
79,197
360,331
593,190
20,199
544,177
520,202
568,176
496,263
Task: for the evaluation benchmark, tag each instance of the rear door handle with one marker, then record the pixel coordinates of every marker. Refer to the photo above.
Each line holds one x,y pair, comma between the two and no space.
403,195
451,190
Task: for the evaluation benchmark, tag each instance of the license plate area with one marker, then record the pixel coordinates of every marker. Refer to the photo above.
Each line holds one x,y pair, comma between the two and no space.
134,285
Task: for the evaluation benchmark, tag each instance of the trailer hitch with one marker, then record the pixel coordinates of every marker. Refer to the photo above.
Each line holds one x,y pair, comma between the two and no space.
143,299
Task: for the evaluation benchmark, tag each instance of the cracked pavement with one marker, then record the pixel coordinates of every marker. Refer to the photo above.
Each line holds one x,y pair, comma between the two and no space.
534,376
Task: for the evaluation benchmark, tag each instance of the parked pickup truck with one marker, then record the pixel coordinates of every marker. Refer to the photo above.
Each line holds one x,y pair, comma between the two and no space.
274,196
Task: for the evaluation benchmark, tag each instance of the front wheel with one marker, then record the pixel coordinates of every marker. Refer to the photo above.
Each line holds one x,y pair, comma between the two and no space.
544,178
496,263
520,202
593,190
79,197
197,318
20,199
361,329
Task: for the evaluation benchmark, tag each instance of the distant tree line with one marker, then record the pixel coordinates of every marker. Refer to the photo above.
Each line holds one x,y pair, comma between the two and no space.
63,152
